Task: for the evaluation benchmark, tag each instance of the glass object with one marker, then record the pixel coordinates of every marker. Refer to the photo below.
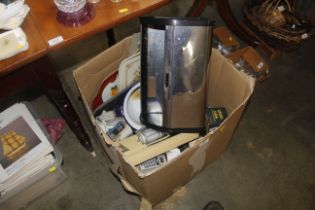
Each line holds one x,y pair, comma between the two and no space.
74,12
149,135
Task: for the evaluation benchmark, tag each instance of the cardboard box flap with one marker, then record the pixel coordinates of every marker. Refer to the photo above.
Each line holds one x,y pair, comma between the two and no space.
163,182
251,56
225,86
97,69
168,177
236,56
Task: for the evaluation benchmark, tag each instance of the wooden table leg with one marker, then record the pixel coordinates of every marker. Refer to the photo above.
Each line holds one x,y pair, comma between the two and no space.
53,87
110,37
197,8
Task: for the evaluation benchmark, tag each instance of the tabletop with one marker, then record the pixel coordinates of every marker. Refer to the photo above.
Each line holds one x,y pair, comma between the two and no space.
107,15
37,48
41,25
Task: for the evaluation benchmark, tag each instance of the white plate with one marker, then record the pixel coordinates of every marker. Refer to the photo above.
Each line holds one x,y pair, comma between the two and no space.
108,90
132,107
129,71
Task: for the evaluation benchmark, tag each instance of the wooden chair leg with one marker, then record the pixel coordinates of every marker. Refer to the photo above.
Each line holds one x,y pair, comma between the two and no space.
197,8
226,14
110,37
49,79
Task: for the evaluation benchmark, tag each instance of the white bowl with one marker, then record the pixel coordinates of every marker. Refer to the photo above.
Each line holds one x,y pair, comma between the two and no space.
132,107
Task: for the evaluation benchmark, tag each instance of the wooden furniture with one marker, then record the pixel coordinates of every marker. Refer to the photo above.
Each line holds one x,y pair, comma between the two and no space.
108,15
34,67
237,27
226,14
37,48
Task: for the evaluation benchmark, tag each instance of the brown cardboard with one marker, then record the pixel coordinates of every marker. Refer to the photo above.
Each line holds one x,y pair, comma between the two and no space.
237,55
255,64
227,87
142,154
89,78
251,56
225,37
254,59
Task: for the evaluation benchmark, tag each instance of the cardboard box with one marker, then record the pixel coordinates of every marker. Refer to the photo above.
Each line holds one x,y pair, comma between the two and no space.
226,42
227,87
252,62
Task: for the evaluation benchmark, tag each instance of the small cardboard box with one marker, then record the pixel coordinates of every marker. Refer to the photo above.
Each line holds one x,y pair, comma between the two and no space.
225,37
226,42
252,62
227,87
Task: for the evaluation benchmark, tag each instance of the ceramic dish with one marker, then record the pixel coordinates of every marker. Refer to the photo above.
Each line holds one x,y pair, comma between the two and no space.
104,94
132,107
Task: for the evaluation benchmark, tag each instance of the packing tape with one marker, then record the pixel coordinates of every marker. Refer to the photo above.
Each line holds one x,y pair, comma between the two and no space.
198,159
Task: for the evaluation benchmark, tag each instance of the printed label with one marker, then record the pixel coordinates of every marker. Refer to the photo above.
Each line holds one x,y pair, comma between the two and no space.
260,65
55,41
281,8
304,36
52,169
123,10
